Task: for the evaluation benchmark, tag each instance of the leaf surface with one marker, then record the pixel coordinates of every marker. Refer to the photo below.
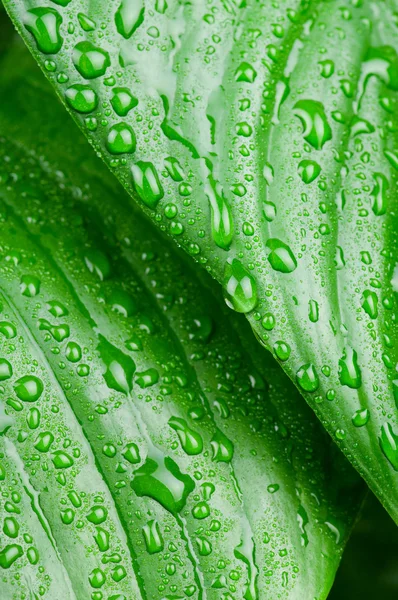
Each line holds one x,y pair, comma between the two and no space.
177,468
262,138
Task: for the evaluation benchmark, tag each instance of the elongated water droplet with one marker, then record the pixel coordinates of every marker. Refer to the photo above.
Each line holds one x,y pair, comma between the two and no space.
147,184
129,16
240,288
370,303
379,193
349,371
389,444
153,537
221,215
223,448
120,368
191,441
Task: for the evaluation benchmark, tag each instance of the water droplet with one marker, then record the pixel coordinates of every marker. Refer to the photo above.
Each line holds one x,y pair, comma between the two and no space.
388,443
282,350
28,388
379,194
8,329
316,129
221,215
313,312
120,368
44,441
147,184
223,448
132,453
360,417
246,73
86,23
160,478
97,578
121,139
240,288
370,303
307,378
73,352
349,371
9,554
123,101
147,378
327,68
191,441
97,515
153,537
129,16
81,98
5,369
281,257
11,527
62,460
44,23
90,61
308,170
30,285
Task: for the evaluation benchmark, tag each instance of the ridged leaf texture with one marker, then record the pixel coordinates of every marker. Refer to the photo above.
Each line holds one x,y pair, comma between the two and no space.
150,449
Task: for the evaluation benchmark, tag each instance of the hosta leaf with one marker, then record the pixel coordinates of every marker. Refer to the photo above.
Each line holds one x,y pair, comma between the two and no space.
262,137
212,479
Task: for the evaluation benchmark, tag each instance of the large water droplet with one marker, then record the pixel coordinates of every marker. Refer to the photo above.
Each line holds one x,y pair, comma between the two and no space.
28,388
44,23
123,101
316,129
129,16
121,139
91,61
191,441
160,478
240,288
81,98
147,184
307,378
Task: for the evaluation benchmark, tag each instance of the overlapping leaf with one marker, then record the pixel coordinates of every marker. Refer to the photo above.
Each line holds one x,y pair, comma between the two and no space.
131,473
262,137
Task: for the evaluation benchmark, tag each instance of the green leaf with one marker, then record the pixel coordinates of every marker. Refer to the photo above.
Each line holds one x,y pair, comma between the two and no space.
262,137
211,475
